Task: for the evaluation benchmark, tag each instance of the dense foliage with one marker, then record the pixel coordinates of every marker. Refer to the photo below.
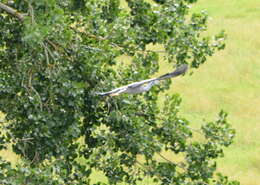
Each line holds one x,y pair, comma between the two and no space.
54,59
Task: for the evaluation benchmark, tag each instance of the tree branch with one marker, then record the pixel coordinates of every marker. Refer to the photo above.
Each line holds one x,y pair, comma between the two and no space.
12,11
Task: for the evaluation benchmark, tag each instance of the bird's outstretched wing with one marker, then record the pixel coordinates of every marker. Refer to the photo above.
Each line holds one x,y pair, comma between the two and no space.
136,84
130,88
114,92
144,85
180,70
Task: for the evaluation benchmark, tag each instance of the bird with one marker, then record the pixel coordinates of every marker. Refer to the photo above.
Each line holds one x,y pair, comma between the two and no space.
144,85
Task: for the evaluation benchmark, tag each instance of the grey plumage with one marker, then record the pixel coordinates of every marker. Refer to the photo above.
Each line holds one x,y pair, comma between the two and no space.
180,70
144,85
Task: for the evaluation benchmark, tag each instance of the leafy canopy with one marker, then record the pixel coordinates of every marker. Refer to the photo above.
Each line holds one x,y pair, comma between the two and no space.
55,55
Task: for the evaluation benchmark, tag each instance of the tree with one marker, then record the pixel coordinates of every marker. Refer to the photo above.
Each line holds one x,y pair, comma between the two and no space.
54,56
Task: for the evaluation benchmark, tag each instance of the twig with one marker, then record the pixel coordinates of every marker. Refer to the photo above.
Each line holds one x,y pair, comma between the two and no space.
142,51
165,158
53,45
12,11
31,12
111,43
45,52
59,48
33,89
146,116
159,51
149,170
26,139
88,34
38,95
35,158
180,166
196,130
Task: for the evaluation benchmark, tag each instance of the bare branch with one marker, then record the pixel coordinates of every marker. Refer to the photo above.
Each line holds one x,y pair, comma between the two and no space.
12,11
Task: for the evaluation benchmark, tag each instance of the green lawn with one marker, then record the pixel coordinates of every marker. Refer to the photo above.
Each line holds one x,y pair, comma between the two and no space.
230,80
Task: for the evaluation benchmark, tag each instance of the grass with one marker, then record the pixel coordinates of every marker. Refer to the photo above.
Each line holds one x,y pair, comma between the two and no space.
230,80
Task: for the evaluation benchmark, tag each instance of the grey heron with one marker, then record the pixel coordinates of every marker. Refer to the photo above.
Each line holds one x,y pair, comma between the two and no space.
144,85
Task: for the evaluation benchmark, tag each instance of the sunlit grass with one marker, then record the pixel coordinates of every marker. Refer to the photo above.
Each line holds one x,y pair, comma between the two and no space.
230,80
8,154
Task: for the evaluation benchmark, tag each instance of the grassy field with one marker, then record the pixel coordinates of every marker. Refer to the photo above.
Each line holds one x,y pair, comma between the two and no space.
230,80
